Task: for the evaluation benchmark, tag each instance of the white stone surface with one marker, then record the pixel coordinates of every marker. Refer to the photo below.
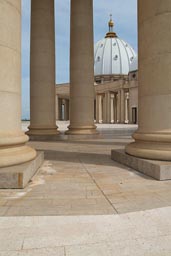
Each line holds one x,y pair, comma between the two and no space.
140,233
122,56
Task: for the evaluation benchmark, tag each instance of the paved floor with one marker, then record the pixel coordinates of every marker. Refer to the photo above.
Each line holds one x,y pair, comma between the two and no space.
134,234
93,205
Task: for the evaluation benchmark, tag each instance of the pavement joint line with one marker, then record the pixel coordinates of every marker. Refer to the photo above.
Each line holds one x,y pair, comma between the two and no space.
22,246
98,186
65,251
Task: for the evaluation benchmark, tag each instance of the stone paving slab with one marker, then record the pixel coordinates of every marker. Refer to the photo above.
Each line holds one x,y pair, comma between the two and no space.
138,233
80,178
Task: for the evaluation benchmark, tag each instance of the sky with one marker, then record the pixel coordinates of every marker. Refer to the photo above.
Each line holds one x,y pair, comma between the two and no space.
125,18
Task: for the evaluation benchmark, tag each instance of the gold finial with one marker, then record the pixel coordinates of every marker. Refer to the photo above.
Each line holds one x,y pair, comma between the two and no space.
111,34
111,23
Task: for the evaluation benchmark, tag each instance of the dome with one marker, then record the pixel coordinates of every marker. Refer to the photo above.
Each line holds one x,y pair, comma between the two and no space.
134,65
112,55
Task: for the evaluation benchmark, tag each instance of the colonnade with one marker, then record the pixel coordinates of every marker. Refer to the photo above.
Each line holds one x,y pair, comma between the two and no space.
112,107
153,138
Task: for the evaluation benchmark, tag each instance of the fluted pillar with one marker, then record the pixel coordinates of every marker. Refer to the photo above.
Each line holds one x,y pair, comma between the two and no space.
81,69
42,70
153,137
13,150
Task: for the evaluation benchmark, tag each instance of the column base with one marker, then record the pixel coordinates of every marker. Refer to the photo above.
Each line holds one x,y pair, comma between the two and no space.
18,176
150,150
16,155
43,134
159,170
155,146
84,130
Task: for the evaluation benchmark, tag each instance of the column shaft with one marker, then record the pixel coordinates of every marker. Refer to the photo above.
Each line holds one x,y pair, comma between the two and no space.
81,69
153,137
66,109
42,69
122,106
57,108
115,108
112,108
100,109
13,150
126,108
107,103
97,108
118,104
60,108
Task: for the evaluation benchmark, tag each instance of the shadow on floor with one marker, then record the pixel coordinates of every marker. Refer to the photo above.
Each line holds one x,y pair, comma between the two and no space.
88,158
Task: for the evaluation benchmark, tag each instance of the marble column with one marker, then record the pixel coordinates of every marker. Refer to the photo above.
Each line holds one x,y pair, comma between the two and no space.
81,69
42,70
13,150
153,137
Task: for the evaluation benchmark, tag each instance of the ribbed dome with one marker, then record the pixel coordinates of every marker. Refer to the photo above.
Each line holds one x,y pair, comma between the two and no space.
113,56
134,64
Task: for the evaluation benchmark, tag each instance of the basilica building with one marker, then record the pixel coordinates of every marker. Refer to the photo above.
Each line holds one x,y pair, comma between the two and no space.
115,82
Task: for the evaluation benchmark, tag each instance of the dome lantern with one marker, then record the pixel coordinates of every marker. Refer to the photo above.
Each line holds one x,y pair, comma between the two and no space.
111,33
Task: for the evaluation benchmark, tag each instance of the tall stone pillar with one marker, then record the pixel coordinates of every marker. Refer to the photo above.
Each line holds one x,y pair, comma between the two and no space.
100,109
153,137
60,108
97,108
115,108
122,106
57,107
66,109
112,111
42,70
118,106
13,150
127,108
107,102
81,69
